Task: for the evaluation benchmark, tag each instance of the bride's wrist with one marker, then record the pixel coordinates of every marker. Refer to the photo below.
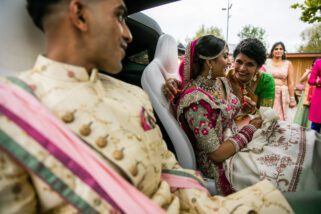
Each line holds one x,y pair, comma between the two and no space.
243,137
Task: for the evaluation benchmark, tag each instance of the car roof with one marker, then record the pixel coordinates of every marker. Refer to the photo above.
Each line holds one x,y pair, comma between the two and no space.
145,30
134,6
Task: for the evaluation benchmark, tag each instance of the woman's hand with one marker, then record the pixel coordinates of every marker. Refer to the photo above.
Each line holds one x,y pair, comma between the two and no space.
249,106
171,88
292,103
256,122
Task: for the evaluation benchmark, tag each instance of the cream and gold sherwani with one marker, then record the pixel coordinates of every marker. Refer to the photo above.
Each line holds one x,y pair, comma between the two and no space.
116,120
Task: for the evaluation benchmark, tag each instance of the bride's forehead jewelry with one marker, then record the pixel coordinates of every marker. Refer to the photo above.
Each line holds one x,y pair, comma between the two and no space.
213,57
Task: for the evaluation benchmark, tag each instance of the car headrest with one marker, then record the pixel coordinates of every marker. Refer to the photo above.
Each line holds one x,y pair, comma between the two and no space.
166,56
20,40
165,65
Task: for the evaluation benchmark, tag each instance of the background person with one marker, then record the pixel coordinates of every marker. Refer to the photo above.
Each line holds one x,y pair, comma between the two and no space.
302,113
315,112
283,73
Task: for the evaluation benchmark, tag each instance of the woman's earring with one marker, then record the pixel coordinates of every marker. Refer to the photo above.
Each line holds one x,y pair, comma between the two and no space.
254,77
209,76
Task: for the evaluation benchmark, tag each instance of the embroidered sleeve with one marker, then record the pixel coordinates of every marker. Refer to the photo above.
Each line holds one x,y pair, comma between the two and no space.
204,126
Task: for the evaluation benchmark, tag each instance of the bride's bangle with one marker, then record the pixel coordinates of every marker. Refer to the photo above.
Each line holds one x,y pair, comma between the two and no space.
292,98
241,139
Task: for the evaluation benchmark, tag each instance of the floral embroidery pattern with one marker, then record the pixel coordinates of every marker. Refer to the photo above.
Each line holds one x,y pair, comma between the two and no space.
269,160
207,119
276,168
204,131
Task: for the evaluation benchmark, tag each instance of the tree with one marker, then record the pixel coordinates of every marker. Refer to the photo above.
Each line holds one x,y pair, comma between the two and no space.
249,31
311,10
312,39
205,31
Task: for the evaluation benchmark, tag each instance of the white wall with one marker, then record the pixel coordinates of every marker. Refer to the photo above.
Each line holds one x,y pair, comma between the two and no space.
20,40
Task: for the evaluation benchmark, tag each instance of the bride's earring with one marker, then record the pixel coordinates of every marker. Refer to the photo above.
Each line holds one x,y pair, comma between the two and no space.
209,76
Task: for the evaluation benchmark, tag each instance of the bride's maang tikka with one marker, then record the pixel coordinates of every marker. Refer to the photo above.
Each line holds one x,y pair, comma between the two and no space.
212,57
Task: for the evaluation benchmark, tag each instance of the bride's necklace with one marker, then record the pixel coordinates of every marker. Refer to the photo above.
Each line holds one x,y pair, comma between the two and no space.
214,86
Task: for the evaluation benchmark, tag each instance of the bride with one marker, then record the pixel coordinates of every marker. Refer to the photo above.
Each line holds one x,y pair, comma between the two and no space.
265,148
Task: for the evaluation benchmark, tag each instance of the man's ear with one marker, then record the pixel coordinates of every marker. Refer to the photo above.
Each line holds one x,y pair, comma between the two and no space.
77,15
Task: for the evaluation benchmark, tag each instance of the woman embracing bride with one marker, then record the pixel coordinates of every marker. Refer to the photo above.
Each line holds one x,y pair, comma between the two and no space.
266,148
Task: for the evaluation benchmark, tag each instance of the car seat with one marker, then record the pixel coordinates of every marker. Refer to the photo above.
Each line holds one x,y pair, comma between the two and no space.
163,66
20,40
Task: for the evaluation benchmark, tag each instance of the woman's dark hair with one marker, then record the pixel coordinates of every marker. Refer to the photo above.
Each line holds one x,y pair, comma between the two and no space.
37,9
273,47
252,48
207,46
313,61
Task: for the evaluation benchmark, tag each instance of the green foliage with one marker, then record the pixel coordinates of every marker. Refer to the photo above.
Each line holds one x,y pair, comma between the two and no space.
312,39
249,31
311,10
206,31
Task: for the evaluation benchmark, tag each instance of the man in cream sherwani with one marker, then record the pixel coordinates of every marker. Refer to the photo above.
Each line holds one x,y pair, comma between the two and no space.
113,118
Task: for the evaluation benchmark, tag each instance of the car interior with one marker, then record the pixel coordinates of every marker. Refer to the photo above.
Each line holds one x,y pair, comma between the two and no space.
165,65
140,52
150,59
23,42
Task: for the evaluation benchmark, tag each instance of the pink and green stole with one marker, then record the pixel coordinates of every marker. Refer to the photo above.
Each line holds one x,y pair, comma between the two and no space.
26,113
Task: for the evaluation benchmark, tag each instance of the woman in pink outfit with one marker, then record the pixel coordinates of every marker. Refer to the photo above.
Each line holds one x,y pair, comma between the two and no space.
315,110
282,71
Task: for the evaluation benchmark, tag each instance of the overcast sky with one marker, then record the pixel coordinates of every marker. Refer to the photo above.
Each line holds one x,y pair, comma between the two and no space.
281,23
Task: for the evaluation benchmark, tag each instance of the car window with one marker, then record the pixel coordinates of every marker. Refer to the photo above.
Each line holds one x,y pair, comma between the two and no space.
141,58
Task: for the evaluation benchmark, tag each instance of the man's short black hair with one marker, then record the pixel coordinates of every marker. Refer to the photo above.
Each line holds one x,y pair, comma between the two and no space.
37,9
252,48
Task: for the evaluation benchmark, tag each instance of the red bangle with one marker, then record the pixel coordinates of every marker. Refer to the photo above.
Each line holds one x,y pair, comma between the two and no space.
241,139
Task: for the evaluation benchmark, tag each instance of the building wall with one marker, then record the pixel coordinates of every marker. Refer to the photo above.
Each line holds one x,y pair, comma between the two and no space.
301,61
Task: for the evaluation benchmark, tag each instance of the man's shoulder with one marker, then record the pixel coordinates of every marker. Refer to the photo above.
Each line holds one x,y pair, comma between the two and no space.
112,82
25,74
115,81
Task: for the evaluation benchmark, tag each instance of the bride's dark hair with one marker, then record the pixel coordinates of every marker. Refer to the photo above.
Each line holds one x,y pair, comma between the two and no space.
207,46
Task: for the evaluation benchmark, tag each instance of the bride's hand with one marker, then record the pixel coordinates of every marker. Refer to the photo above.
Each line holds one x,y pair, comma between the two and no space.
257,122
171,88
